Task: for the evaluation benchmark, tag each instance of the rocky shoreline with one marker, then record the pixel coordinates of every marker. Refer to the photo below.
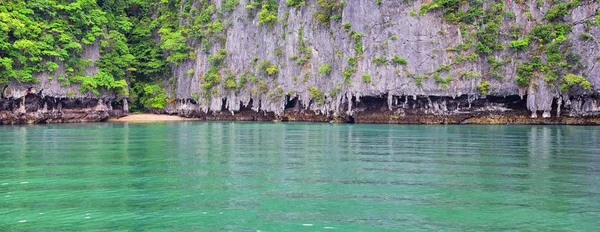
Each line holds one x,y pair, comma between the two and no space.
35,109
86,115
394,118
39,109
413,110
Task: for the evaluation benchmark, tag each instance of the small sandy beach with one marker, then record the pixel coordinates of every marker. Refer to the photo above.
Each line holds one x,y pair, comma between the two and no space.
149,118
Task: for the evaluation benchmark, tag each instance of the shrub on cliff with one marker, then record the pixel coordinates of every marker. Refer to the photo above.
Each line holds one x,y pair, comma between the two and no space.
174,42
379,61
268,13
325,69
267,68
367,78
519,44
294,3
154,97
101,80
396,60
317,95
329,10
569,81
560,10
484,87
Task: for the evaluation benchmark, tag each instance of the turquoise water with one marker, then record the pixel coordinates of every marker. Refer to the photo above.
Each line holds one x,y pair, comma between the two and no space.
225,176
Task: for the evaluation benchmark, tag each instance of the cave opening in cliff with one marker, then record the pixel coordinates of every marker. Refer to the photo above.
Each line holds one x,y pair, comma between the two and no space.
33,102
291,102
372,103
513,102
117,105
351,120
77,103
6,104
224,105
250,103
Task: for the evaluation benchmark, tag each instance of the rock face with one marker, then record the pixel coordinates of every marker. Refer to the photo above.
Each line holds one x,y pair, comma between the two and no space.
34,109
392,92
373,62
31,106
49,102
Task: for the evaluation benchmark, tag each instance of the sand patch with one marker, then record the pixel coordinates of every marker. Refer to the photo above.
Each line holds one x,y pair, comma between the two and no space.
149,118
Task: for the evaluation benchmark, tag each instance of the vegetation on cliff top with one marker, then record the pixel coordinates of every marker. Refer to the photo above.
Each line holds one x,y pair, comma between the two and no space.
61,37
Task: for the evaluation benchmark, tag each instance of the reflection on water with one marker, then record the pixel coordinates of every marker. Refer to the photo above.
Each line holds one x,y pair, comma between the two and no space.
272,177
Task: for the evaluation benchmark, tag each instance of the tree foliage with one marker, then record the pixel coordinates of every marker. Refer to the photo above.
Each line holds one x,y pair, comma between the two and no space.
61,37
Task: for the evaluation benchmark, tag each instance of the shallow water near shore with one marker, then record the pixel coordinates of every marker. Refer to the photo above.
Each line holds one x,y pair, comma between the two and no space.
235,176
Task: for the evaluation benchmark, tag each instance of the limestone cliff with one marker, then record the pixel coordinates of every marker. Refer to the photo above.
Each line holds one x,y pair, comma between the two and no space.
50,101
435,77
378,61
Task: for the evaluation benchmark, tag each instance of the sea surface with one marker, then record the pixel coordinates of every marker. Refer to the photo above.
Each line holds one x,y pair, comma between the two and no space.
235,176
